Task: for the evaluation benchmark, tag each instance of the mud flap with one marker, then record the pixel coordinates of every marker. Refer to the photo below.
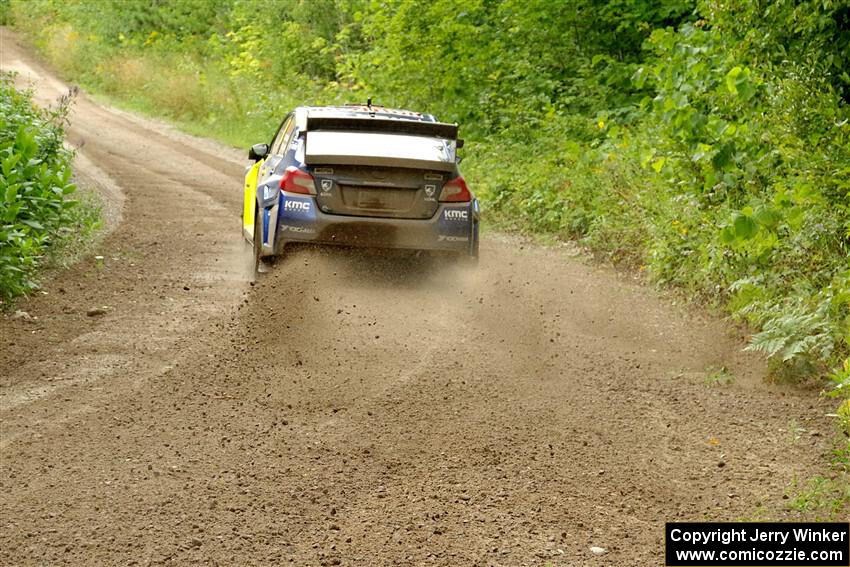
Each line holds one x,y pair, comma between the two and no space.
249,200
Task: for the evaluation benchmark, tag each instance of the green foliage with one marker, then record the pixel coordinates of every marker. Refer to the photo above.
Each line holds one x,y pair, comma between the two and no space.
821,498
486,64
765,155
489,65
840,378
34,185
5,12
720,376
840,381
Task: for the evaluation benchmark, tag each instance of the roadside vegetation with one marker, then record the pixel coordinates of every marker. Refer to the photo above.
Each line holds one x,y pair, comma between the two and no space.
40,224
705,144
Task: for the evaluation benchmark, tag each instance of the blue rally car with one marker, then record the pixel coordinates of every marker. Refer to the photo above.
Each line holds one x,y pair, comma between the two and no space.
359,175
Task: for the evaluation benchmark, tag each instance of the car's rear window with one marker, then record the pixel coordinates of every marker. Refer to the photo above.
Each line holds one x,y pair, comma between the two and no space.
373,148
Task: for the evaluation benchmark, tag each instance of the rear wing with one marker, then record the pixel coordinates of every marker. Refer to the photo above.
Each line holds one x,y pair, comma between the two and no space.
334,147
382,125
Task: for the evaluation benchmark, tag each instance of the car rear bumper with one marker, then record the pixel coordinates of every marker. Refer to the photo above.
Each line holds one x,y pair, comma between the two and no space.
454,227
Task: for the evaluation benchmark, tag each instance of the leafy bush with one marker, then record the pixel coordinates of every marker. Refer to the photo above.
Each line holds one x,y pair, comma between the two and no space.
764,156
34,185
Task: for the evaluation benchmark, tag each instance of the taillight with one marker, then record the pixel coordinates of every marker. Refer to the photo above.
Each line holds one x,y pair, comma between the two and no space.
297,181
455,191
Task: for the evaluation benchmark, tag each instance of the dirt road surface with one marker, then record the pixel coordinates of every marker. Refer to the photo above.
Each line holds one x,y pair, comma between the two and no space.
355,409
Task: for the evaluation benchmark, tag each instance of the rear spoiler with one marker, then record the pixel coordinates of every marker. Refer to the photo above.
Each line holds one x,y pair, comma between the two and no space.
383,125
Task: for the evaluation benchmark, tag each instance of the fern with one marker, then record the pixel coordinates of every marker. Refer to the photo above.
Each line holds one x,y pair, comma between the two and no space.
796,335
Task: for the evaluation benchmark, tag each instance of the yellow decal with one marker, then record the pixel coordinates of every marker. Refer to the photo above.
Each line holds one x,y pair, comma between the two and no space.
249,199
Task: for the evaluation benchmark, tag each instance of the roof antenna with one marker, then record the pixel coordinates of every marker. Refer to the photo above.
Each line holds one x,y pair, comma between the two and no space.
369,102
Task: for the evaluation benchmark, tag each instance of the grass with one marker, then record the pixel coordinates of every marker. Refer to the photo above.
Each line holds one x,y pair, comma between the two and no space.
74,241
820,498
80,236
826,496
720,377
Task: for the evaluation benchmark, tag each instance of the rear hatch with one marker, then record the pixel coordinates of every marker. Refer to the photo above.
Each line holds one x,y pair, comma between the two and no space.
373,191
378,167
